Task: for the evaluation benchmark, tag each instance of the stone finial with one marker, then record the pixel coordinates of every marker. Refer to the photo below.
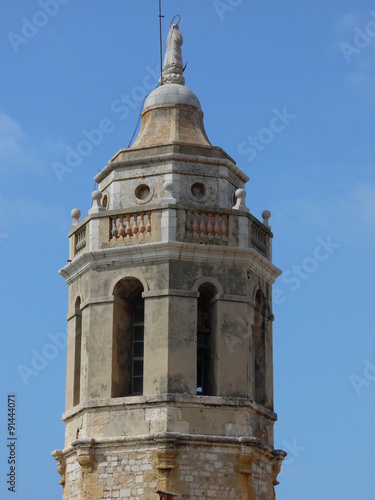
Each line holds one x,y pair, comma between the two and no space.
266,214
173,66
240,194
169,187
96,202
76,214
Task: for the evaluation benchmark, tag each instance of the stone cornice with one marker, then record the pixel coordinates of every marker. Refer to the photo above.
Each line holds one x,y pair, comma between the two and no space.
169,399
170,156
172,250
174,437
170,293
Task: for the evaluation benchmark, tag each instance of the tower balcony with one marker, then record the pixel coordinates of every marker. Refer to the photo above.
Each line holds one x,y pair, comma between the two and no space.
103,229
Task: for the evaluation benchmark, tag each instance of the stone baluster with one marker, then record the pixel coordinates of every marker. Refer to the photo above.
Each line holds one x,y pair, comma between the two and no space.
224,228
142,227
135,225
195,224
148,225
114,231
217,227
209,226
121,230
128,229
202,226
188,228
80,239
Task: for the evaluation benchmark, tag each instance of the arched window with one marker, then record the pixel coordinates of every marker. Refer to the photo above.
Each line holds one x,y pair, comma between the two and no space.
138,335
259,343
165,496
128,338
77,352
206,379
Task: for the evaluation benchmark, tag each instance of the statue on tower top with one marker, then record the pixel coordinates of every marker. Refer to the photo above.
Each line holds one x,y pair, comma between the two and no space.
173,66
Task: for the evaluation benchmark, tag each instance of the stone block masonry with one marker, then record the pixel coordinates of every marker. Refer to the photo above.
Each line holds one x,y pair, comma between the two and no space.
188,467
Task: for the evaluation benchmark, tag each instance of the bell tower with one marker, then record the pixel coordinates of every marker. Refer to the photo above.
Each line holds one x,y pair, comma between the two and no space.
169,384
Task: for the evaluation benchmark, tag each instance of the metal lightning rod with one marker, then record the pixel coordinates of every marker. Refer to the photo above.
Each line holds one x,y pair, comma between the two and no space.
161,41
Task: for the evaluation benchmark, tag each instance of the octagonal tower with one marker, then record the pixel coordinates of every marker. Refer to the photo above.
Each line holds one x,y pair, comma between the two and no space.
169,387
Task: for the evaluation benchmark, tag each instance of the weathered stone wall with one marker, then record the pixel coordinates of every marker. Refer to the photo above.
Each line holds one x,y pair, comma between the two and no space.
170,293
191,470
194,415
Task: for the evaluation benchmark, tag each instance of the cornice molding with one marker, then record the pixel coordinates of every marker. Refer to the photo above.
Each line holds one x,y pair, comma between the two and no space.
165,157
189,400
171,250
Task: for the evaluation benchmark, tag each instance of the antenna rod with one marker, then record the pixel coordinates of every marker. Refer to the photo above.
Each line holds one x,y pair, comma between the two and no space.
161,42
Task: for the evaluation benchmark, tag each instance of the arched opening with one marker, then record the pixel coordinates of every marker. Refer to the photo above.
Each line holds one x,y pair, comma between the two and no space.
166,496
206,380
128,338
77,352
259,337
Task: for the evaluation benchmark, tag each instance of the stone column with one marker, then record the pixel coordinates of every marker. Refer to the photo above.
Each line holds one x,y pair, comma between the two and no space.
96,361
269,363
170,355
71,358
233,346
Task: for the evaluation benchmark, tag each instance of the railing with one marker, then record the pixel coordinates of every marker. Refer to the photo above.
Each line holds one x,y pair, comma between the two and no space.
259,238
206,225
194,226
80,240
131,226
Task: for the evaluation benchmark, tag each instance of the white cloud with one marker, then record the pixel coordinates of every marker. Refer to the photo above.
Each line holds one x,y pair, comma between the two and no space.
9,127
364,82
347,22
35,213
348,216
355,45
363,200
17,150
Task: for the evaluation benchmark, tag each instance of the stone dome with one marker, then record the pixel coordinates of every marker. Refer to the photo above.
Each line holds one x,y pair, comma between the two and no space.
171,114
171,93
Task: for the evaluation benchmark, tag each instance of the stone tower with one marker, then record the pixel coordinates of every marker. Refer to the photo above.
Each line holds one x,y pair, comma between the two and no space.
169,387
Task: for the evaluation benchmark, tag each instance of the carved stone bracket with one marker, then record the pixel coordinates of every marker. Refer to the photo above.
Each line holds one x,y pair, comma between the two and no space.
165,463
245,461
61,464
245,467
165,459
85,454
276,467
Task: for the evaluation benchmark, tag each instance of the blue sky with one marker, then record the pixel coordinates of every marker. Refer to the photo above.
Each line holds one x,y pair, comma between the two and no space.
66,71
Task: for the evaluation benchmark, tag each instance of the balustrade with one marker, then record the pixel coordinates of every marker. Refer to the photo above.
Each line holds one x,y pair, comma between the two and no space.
131,226
80,240
259,239
206,225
